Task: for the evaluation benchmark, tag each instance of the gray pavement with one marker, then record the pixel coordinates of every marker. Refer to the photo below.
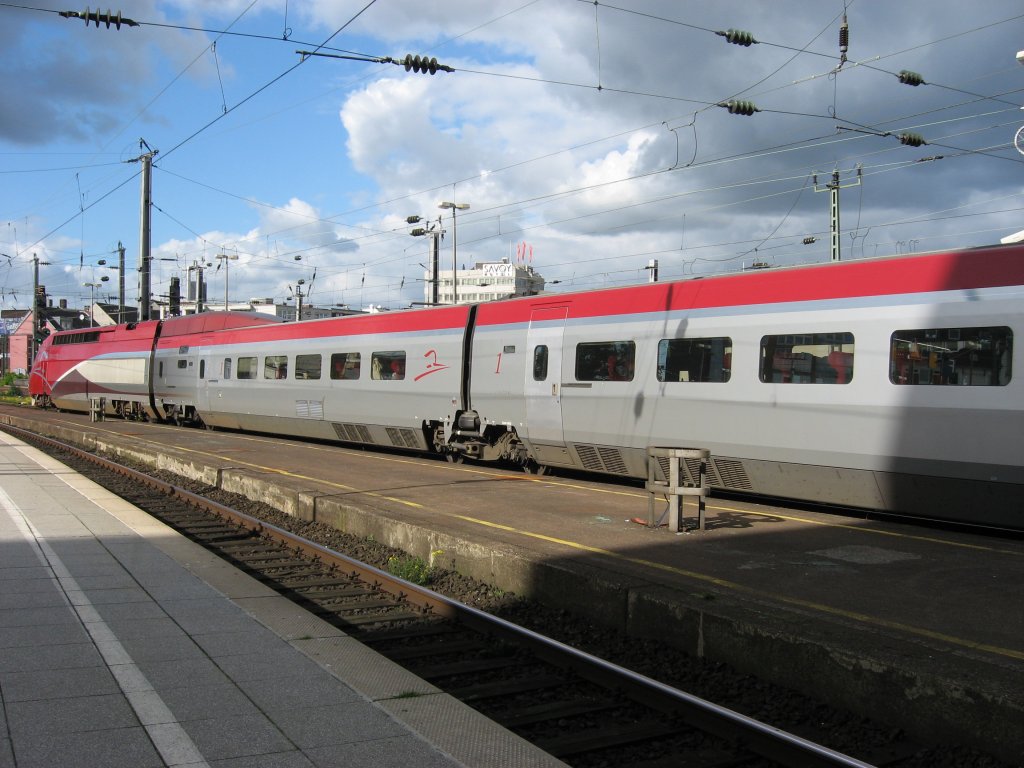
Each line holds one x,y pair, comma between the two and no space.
123,644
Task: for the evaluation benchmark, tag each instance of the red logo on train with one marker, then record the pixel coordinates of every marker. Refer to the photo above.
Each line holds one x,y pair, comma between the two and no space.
433,366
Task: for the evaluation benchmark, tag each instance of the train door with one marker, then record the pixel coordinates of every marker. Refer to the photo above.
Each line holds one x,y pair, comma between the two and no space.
544,385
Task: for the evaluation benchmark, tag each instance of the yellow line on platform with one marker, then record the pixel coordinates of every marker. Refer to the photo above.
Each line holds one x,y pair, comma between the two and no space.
283,472
731,585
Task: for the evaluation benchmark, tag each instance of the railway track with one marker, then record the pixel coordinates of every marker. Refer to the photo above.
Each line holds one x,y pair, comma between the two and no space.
584,710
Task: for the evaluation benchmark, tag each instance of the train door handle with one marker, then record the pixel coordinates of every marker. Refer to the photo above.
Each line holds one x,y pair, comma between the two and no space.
554,390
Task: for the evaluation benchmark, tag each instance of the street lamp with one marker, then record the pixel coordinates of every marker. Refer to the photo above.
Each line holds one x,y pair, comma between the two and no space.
228,258
455,245
92,301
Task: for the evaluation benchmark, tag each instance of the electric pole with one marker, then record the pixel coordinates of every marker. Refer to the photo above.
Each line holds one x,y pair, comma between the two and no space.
833,188
434,231
120,282
145,292
38,304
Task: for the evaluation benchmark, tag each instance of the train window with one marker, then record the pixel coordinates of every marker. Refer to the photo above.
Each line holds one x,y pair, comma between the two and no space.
974,357
81,337
807,358
160,369
202,369
227,368
275,367
387,365
540,362
695,359
307,366
605,361
345,365
182,364
247,367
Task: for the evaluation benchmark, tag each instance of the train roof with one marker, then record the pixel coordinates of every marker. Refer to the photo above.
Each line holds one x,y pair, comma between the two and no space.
968,269
206,322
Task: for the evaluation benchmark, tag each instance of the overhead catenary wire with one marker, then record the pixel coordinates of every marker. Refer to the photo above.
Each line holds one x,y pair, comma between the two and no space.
514,203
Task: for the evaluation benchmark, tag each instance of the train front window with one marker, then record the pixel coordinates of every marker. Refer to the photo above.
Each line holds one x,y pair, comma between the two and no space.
345,365
807,358
695,359
973,357
605,361
247,367
387,365
307,366
275,367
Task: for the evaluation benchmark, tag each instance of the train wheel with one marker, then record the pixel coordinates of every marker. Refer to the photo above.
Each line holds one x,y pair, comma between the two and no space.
455,458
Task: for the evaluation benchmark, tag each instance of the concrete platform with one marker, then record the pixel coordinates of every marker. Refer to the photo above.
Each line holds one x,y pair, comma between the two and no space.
124,644
919,628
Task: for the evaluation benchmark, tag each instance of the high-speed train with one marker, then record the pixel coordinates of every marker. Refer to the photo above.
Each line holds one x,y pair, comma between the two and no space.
883,384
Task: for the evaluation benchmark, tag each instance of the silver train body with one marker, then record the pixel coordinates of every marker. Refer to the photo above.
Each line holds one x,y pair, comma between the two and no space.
889,384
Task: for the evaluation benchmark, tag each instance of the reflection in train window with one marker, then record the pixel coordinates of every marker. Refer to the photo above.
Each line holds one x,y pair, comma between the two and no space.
695,359
387,365
275,367
227,368
247,367
974,357
807,358
345,365
605,361
307,366
540,362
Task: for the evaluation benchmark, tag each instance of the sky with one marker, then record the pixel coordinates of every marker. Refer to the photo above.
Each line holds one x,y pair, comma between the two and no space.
588,136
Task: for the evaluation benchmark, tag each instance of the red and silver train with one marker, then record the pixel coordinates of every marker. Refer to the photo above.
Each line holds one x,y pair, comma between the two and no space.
883,384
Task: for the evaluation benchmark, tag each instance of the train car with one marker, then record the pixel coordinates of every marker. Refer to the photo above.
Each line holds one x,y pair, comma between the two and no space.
884,384
114,364
386,379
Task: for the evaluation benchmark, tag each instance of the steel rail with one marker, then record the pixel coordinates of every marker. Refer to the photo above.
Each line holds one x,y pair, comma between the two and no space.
760,738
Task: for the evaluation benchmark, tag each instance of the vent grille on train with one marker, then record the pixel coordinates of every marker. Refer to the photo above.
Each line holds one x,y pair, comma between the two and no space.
600,458
352,433
403,438
691,471
309,409
731,474
722,473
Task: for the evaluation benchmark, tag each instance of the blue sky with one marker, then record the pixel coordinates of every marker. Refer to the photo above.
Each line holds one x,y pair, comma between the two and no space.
589,132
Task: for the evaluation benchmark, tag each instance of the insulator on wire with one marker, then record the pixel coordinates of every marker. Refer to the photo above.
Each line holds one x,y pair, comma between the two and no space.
738,37
97,16
739,107
424,64
911,139
810,239
910,78
844,37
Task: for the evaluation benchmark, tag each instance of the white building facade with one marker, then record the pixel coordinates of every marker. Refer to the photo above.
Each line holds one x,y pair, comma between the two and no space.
486,281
